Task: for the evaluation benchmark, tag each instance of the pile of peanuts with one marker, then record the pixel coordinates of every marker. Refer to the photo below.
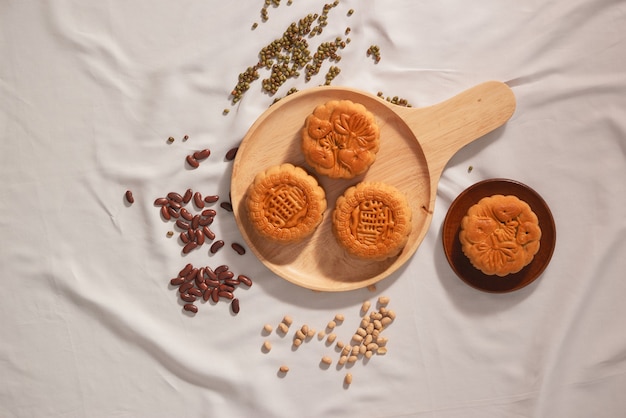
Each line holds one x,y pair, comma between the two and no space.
208,284
364,343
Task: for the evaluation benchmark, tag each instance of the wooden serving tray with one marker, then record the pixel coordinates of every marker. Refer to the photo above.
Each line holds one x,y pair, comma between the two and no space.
415,146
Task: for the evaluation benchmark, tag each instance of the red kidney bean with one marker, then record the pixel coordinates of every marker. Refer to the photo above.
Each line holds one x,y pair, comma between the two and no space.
176,197
191,275
173,212
209,234
245,280
206,221
185,287
210,273
199,237
225,275
216,246
232,153
211,199
187,297
206,295
190,307
165,213
215,294
226,288
186,270
197,200
192,161
209,212
177,281
129,197
200,276
195,222
182,224
227,206
184,238
189,247
212,283
186,214
221,269
174,204
235,305
203,286
238,248
160,201
201,155
195,292
231,282
225,294
187,196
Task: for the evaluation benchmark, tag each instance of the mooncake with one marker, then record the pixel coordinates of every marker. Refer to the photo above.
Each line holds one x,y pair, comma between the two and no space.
500,235
372,221
285,203
340,139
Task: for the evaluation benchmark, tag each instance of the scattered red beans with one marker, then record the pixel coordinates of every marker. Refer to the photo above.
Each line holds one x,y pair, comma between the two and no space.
245,280
235,305
197,200
217,245
238,248
190,307
192,161
205,284
232,153
129,197
201,155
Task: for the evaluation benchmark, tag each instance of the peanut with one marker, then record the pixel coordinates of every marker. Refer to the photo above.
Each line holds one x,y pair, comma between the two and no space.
348,378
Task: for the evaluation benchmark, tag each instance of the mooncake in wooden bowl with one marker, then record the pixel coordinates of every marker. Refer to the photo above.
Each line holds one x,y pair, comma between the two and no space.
500,235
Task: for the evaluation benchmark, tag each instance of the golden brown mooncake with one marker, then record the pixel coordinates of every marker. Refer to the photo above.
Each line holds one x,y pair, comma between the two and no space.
340,139
500,235
372,221
285,203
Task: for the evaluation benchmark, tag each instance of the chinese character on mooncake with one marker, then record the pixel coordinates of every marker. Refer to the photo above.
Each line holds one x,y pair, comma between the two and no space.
372,221
285,203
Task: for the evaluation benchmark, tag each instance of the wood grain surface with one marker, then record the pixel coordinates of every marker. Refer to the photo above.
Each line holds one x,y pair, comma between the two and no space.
415,146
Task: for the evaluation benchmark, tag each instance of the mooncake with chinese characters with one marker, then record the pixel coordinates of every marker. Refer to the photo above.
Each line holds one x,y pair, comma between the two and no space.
372,220
285,203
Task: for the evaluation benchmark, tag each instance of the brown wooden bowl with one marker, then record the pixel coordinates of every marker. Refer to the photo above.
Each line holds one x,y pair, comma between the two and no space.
416,144
461,264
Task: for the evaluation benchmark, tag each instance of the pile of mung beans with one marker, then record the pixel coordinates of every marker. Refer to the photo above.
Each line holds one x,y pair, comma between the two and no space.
288,55
364,343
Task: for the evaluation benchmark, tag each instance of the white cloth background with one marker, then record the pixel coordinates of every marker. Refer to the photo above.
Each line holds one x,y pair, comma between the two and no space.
92,90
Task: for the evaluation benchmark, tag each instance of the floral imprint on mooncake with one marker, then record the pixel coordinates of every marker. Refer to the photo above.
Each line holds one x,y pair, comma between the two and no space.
500,235
340,139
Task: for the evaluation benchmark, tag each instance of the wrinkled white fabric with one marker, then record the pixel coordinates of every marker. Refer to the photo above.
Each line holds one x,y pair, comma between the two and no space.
90,328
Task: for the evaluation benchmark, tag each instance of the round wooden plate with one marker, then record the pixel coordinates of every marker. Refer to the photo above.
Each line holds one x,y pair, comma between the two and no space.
461,264
415,146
